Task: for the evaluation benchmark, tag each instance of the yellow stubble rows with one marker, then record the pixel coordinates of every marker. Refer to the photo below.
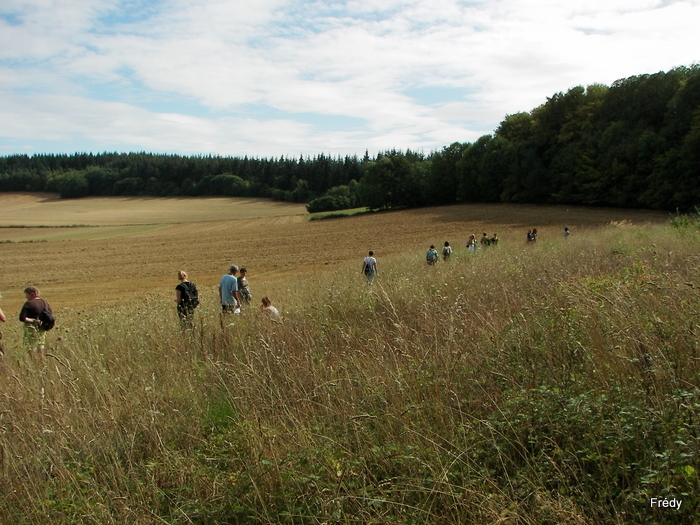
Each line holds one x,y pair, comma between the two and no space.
94,251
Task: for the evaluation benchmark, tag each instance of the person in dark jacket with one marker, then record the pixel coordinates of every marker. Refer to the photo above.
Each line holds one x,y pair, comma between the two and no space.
34,336
185,292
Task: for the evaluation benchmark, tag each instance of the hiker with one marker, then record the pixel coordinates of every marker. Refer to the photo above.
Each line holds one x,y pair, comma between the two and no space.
529,237
446,251
2,319
34,336
267,308
187,299
494,240
566,232
228,292
369,267
471,244
243,289
485,241
432,256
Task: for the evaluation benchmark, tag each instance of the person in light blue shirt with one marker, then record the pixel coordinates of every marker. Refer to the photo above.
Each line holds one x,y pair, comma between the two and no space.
228,291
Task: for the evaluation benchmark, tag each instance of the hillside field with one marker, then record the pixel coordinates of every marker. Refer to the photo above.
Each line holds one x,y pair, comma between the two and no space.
555,382
91,251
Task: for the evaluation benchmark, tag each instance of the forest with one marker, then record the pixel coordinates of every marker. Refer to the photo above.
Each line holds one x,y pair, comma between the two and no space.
635,143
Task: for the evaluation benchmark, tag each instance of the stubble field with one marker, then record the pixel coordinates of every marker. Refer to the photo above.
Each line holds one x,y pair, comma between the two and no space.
96,251
547,383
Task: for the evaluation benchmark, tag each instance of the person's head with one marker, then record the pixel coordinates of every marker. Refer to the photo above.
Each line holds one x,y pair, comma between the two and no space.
534,230
233,269
485,234
243,272
566,229
182,275
447,243
31,291
371,253
432,246
266,302
472,236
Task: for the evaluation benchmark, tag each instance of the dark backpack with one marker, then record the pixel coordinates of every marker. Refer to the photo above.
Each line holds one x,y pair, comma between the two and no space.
46,319
190,297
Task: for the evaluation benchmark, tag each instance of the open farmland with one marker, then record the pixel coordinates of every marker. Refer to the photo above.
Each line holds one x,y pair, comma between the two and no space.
546,383
102,250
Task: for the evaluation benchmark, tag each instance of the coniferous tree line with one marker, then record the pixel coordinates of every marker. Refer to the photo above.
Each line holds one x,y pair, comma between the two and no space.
635,143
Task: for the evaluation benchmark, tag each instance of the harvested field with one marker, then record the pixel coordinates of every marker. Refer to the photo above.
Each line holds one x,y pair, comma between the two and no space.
131,246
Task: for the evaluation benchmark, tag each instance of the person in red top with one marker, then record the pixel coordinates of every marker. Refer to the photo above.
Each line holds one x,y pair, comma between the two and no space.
34,337
2,348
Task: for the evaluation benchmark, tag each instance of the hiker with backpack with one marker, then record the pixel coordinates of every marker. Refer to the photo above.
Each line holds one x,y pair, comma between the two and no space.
485,241
446,251
37,316
369,267
2,319
432,256
187,299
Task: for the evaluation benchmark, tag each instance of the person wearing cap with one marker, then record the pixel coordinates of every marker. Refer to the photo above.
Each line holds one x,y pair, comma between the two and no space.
228,291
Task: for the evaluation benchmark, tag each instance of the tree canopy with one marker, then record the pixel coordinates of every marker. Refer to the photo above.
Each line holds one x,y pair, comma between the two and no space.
635,143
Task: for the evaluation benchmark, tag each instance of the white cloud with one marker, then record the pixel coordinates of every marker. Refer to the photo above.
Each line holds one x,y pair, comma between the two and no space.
245,77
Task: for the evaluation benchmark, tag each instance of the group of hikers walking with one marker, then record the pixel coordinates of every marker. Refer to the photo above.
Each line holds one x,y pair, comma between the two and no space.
432,256
234,294
38,318
369,263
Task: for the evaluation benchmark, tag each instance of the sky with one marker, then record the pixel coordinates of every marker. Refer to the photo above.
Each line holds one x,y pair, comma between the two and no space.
268,78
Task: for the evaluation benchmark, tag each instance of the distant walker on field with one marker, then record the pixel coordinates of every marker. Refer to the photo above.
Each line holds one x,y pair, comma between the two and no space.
431,256
369,267
2,320
446,251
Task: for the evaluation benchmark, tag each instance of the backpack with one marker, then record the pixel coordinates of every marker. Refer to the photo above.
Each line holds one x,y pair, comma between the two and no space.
46,318
190,297
432,256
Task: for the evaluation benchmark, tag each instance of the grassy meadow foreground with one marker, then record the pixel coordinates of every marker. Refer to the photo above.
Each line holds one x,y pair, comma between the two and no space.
552,383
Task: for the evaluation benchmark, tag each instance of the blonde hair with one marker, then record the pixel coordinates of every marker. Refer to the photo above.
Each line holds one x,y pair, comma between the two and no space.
182,275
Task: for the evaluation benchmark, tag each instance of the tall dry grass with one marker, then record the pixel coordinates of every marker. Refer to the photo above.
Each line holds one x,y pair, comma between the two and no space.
555,383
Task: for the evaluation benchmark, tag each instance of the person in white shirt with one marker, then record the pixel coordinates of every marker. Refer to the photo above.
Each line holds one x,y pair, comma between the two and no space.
369,267
267,308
